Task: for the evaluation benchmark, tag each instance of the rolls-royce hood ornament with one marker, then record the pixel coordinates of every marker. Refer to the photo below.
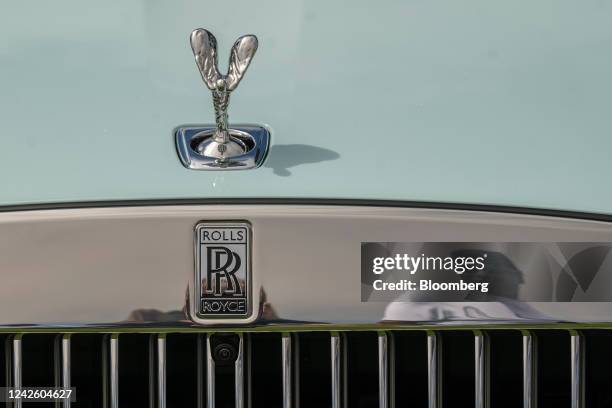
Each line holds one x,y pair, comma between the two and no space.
204,46
222,146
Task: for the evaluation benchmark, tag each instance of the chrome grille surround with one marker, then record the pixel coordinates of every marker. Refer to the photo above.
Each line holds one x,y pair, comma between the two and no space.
122,247
111,267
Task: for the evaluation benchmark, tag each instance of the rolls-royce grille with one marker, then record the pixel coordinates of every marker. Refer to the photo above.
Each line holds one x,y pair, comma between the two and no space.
433,369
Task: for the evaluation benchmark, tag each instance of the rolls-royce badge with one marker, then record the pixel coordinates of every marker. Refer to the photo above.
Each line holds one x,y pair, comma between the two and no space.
223,275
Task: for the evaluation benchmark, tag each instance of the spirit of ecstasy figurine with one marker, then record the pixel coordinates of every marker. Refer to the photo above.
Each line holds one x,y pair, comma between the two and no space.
221,145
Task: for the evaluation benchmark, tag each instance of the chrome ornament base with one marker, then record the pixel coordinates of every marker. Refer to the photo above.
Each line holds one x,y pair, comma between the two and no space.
211,147
198,149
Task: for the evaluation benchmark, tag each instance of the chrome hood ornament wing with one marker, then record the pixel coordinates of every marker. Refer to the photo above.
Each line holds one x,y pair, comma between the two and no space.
204,45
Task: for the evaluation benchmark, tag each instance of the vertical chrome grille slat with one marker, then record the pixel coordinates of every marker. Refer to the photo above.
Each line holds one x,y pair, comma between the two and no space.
336,369
62,365
577,358
14,374
210,375
161,371
239,373
529,369
287,359
344,370
114,370
66,374
481,364
434,374
383,370
16,361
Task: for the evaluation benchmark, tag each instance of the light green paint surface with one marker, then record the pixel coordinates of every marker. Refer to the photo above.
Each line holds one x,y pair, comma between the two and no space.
473,101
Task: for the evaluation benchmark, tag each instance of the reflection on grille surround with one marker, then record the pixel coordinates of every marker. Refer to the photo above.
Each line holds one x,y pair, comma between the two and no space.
288,345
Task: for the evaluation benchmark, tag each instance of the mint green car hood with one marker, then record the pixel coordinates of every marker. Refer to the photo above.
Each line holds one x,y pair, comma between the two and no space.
477,102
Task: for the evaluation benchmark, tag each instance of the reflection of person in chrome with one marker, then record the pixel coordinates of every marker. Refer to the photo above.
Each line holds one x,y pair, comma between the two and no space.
498,302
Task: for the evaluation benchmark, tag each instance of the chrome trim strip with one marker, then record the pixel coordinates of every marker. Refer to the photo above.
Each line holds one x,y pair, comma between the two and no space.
339,202
434,372
578,366
210,375
161,370
287,370
239,374
530,372
336,369
481,364
383,370
114,370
